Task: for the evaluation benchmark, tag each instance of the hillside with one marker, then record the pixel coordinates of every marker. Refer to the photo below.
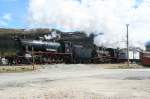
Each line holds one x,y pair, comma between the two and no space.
5,32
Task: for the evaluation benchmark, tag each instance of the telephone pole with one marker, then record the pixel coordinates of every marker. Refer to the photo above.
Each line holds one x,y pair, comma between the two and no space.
128,61
33,59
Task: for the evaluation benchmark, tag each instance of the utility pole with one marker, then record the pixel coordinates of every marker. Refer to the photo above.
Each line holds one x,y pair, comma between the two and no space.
128,61
33,59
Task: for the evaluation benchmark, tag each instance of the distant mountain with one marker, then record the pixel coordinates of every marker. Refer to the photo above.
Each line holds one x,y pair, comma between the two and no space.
4,31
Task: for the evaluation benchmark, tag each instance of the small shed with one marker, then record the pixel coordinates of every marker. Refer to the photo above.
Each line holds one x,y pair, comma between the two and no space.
134,54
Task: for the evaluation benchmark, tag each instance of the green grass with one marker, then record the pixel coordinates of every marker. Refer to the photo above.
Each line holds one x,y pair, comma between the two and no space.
15,69
120,66
7,52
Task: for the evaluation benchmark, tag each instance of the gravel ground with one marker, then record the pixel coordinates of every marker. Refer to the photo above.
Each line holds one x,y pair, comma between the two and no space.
76,82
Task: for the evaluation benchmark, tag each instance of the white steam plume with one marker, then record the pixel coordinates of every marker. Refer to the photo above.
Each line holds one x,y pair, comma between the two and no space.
106,16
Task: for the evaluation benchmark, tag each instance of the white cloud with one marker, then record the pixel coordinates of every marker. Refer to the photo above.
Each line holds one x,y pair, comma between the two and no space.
107,16
5,19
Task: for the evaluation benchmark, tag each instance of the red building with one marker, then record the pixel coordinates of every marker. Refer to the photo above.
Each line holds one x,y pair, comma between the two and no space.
145,58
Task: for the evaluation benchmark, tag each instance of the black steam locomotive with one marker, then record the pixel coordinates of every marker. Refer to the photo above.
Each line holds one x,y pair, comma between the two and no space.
61,51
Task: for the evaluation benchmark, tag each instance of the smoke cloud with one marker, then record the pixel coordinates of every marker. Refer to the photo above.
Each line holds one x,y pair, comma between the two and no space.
96,16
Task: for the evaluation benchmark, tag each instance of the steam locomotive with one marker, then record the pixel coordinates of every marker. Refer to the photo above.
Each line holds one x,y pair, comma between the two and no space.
60,51
55,47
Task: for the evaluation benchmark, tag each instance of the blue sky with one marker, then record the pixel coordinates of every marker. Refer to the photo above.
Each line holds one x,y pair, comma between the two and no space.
138,2
13,13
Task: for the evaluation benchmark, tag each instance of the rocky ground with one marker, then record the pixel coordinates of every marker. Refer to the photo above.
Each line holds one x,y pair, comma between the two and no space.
76,82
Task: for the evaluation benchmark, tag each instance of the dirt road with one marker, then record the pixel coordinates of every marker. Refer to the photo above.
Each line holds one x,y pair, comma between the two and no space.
76,82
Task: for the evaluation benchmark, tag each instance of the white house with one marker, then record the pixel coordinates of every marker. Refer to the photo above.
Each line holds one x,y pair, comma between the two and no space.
134,54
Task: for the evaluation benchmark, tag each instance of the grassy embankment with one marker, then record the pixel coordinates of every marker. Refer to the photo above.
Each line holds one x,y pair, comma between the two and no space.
15,69
11,69
119,66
